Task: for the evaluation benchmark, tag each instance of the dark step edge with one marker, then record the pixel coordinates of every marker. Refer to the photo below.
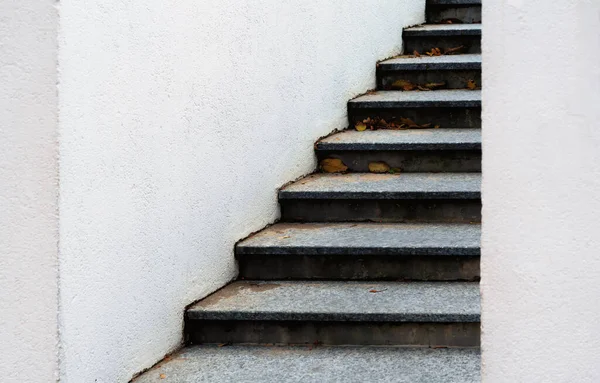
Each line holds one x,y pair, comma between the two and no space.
396,251
453,2
431,66
335,146
192,314
324,195
412,33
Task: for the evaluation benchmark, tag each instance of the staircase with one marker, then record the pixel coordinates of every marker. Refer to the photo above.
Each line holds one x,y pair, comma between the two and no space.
369,277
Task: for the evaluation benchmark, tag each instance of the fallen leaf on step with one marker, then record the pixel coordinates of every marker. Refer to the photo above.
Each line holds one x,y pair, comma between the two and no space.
360,126
378,167
404,85
436,127
162,376
450,51
434,85
377,291
471,84
434,52
333,165
395,171
416,54
285,237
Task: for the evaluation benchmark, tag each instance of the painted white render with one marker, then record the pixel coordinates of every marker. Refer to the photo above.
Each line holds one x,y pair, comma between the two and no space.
541,191
179,122
28,191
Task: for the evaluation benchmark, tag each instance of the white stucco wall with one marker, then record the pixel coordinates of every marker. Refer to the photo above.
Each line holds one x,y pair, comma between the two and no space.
541,191
179,122
28,191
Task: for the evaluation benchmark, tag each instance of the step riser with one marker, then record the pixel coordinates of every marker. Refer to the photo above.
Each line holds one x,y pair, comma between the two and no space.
454,79
358,267
334,333
470,14
424,44
410,160
387,210
444,117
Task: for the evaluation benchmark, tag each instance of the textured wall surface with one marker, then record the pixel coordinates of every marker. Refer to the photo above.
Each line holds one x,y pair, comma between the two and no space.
179,122
541,191
28,191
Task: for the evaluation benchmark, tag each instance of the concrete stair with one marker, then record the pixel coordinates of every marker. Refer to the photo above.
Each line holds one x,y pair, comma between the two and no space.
339,313
413,150
368,277
457,11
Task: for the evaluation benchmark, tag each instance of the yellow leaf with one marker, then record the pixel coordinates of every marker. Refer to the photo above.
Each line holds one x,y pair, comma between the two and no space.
379,167
162,376
434,85
471,84
435,52
404,85
360,126
333,165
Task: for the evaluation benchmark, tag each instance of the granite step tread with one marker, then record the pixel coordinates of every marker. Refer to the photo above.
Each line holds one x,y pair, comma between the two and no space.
453,2
364,239
437,30
385,186
431,302
448,98
411,139
450,62
211,363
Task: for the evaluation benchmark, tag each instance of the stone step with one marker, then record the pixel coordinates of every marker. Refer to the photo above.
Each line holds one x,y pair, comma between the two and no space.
455,71
324,364
444,36
406,197
335,313
413,150
362,251
465,11
449,108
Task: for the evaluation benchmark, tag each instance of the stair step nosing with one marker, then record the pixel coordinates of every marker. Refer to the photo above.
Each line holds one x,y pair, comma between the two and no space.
242,250
440,66
439,32
333,317
340,146
453,2
378,195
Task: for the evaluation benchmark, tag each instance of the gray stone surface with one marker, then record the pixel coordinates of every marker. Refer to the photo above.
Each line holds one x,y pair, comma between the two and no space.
253,364
437,30
452,98
453,2
385,186
450,62
342,301
412,139
364,239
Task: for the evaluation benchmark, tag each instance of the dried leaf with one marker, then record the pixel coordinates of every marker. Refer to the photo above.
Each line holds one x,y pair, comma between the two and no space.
434,85
471,84
404,85
162,376
435,52
436,127
333,165
416,54
379,167
377,291
360,126
449,51
420,87
395,171
426,126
